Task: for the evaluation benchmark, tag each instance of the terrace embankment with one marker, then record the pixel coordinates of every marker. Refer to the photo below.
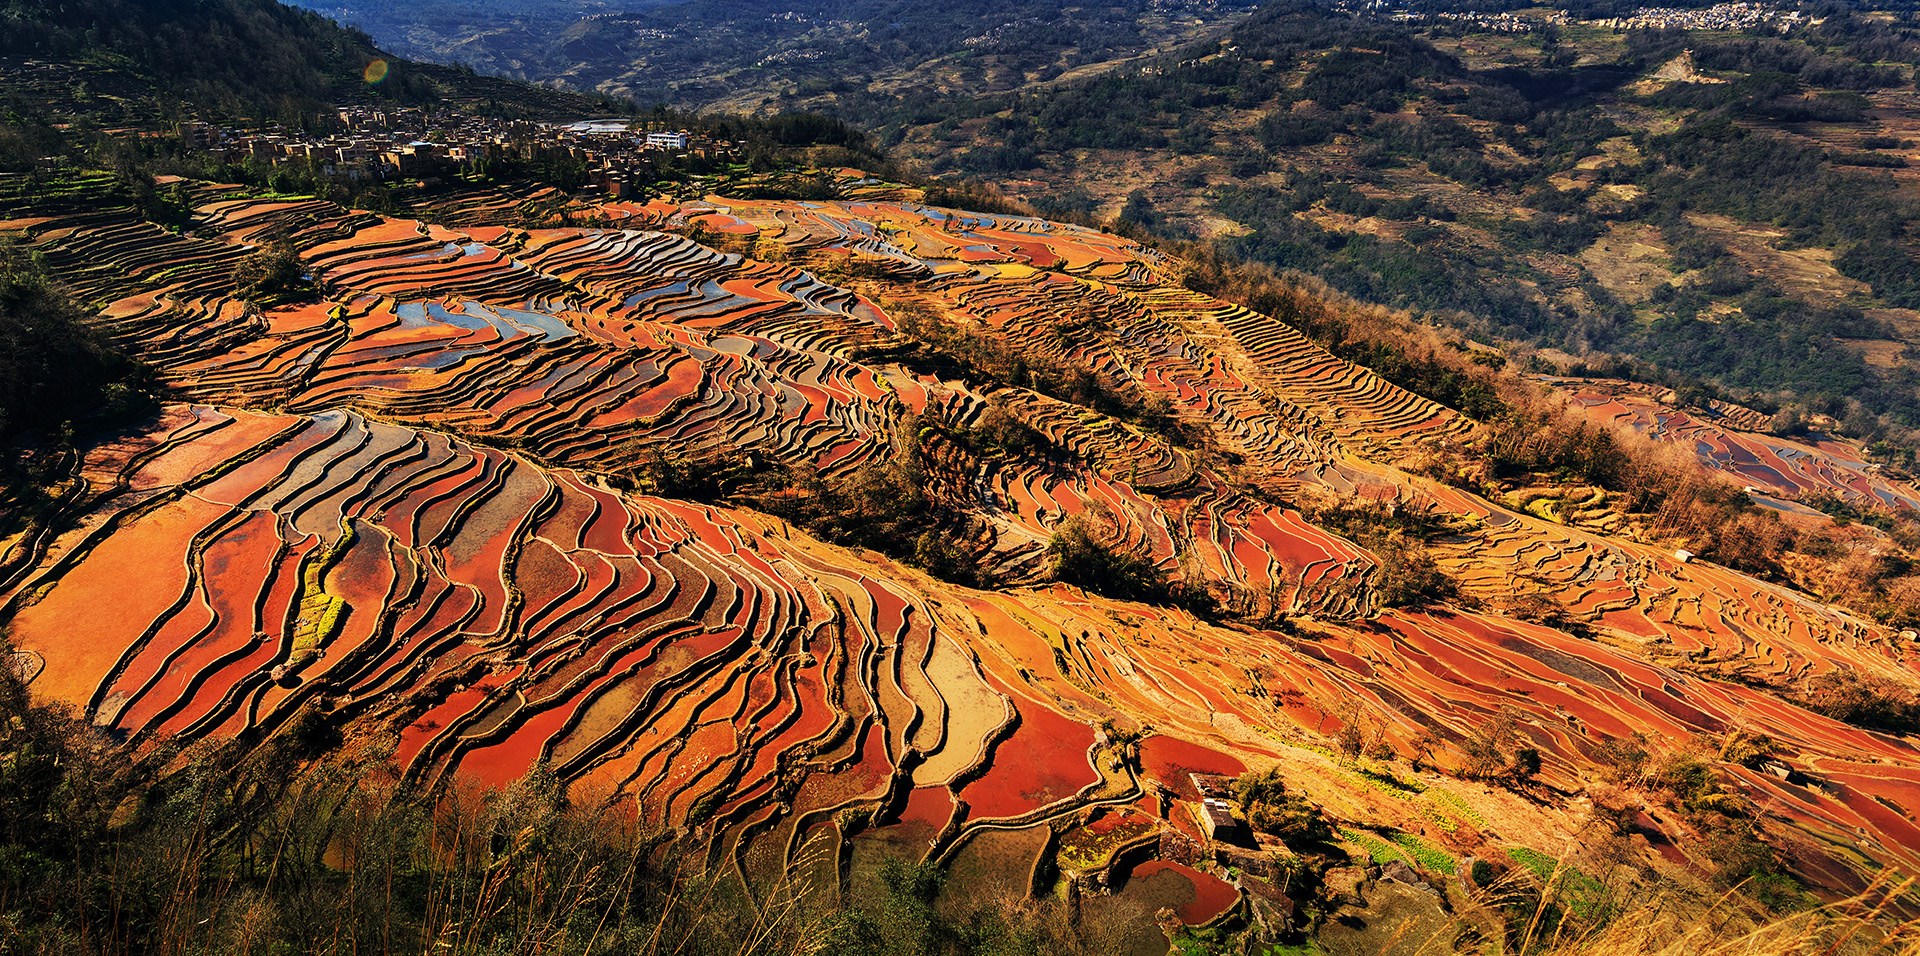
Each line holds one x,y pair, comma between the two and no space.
406,509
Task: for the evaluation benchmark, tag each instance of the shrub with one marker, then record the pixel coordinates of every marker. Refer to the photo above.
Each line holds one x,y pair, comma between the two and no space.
54,369
1742,861
1001,430
1408,575
1498,750
1863,700
1397,532
272,275
1623,759
1270,808
1083,555
884,505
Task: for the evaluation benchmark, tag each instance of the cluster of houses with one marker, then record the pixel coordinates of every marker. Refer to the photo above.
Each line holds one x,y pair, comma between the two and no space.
1745,15
1721,16
1490,22
384,143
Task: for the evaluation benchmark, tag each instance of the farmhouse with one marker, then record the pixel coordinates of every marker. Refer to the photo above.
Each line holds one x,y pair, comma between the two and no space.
1216,809
1217,819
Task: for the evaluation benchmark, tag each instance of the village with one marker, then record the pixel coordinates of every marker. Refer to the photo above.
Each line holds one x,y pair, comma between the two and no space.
1723,17
380,143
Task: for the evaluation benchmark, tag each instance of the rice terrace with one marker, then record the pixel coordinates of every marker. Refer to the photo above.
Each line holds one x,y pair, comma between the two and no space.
809,557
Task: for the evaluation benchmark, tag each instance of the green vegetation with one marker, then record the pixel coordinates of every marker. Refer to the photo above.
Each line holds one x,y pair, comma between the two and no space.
58,379
1379,851
106,67
1386,782
1398,534
904,919
321,613
56,373
1400,846
1903,526
1082,849
1567,892
887,504
1083,553
947,348
1408,576
258,847
235,58
272,275
1425,855
1453,805
1386,160
1536,862
723,52
1270,807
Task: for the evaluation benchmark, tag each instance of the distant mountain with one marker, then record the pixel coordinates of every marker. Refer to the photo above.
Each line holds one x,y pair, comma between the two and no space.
752,54
124,61
246,56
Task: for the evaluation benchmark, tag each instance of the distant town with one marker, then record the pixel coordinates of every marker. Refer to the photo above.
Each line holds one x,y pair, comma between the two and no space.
1720,17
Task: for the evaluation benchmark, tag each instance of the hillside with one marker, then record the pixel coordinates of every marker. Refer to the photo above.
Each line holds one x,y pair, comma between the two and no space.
1702,203
111,63
757,55
1746,225
596,506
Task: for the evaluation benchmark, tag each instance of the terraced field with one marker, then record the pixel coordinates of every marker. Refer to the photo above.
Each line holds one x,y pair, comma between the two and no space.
396,506
1735,440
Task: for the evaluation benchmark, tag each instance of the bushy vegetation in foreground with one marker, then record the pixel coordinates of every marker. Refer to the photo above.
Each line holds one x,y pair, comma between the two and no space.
272,847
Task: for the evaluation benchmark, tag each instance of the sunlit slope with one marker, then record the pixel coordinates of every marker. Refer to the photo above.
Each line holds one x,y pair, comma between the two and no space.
401,505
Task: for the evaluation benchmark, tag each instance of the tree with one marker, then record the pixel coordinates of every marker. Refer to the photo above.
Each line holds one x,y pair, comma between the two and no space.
1083,555
1863,700
1360,733
54,368
1408,575
272,275
1500,750
1270,808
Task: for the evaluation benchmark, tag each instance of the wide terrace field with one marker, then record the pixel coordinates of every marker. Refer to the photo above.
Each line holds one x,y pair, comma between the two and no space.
395,504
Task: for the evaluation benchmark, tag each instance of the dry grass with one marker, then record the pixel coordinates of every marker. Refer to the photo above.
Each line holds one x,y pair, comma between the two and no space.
1630,260
1807,274
1671,924
1668,934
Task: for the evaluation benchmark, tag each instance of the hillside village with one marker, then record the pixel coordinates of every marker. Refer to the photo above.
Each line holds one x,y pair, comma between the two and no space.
377,144
1722,17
